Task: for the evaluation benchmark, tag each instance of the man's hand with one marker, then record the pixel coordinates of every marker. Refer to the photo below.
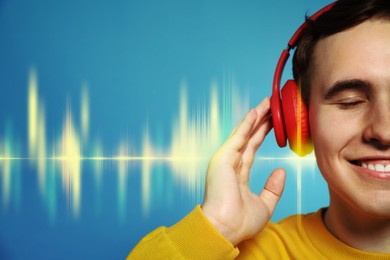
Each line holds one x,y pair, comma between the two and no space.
228,203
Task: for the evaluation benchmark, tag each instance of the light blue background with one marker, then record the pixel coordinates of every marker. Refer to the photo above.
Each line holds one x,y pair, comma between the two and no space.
133,55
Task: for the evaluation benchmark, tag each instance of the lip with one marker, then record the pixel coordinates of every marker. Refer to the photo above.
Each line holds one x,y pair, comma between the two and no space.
384,176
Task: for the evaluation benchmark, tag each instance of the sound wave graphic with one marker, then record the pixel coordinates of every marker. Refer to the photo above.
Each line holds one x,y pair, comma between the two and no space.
195,137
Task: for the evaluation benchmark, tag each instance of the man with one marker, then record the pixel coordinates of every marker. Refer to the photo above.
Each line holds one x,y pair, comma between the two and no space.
343,63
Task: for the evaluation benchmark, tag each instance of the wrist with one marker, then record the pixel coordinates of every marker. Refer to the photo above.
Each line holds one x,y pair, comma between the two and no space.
231,234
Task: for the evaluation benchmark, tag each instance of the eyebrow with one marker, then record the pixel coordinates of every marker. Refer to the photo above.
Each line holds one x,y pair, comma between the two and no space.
343,85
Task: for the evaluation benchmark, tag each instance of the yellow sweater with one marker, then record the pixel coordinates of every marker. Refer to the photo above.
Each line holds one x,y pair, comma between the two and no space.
296,237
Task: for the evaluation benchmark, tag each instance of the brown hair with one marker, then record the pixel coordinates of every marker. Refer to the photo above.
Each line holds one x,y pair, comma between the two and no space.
345,14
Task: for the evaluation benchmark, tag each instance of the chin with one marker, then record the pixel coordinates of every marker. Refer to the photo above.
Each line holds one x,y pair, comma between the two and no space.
375,205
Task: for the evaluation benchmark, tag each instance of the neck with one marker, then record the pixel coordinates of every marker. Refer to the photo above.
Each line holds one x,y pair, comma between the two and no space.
356,228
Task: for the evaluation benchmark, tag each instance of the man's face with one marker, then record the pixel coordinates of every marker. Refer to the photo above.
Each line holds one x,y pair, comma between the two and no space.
349,115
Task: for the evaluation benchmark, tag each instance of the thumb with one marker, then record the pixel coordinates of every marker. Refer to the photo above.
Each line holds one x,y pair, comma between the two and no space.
273,189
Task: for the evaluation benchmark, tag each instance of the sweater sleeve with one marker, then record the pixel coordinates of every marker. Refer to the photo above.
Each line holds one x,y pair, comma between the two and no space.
194,237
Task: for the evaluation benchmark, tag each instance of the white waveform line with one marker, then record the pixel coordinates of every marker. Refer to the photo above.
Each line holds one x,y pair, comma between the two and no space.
268,158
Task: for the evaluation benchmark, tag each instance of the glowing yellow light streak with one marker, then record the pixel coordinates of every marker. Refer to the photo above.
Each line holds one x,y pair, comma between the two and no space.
32,112
195,137
5,167
146,172
36,128
122,171
6,158
70,150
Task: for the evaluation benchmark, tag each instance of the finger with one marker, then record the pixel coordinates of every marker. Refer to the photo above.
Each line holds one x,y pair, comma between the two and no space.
259,134
273,189
253,145
261,128
263,111
240,136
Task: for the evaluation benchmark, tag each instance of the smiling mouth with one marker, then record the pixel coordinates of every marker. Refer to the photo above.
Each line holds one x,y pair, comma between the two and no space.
373,166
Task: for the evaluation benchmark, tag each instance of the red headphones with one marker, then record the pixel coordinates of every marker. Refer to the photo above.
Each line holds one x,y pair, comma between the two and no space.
289,112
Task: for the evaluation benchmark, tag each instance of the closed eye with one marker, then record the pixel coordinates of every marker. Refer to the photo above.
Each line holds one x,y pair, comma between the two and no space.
349,94
350,103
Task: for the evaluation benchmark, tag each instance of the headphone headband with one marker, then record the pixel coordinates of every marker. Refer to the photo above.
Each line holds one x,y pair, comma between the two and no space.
276,102
292,43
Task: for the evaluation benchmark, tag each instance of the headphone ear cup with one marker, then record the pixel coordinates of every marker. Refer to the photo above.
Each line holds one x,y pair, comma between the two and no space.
296,119
278,121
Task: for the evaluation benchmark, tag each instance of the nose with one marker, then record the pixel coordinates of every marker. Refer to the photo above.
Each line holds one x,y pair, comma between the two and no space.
377,131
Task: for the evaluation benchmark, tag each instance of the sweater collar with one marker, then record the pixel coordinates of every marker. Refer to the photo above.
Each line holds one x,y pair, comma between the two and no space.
327,244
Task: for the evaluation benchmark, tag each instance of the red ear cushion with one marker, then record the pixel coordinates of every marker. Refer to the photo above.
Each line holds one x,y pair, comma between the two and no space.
296,119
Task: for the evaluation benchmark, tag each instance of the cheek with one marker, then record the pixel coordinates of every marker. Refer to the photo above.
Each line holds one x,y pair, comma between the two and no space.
327,143
325,132
334,134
